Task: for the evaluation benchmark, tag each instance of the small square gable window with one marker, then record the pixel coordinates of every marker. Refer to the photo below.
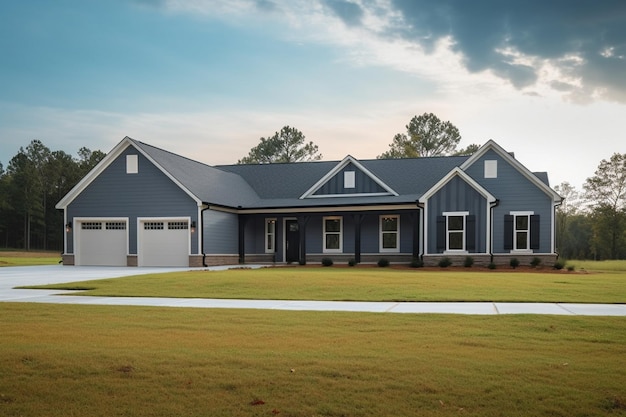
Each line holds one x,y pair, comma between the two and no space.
491,169
349,179
132,164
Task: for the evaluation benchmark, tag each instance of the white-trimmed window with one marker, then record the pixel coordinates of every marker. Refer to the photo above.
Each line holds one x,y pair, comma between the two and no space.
389,233
521,230
349,179
132,164
455,230
270,235
491,168
333,234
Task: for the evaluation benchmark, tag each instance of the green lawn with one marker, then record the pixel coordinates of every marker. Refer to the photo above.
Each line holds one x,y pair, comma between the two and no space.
58,360
25,258
370,284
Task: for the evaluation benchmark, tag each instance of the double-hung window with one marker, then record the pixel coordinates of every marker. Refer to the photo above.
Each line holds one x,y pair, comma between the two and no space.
521,231
455,230
389,233
333,230
270,235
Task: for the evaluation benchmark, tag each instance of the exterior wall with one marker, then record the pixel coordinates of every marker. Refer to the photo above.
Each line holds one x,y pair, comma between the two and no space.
148,193
363,183
515,192
220,233
370,236
457,195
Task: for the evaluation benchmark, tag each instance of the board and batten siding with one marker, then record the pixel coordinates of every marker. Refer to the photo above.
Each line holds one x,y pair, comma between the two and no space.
457,195
515,192
362,183
147,193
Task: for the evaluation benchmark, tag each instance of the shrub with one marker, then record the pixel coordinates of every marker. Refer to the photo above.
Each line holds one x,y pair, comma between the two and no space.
571,268
445,262
469,261
352,262
514,263
327,262
535,262
559,264
417,263
491,265
383,262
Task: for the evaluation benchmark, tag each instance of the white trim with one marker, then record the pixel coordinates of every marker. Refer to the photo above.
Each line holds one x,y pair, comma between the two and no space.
526,214
349,179
340,234
341,165
350,195
380,233
460,173
132,164
266,233
324,209
491,168
104,164
463,215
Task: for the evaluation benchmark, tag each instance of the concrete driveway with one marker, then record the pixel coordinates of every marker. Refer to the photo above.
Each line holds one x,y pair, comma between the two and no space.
12,277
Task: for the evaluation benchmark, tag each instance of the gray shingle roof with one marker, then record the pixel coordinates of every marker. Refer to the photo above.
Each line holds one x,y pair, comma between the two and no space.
208,184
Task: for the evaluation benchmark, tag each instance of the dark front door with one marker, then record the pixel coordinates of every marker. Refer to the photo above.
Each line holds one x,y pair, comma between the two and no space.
292,241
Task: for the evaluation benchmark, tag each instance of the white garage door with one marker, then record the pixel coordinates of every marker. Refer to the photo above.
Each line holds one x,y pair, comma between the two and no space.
164,243
101,242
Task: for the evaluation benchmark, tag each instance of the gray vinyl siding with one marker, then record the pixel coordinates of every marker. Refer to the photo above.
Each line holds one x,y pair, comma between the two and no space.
221,233
515,192
149,193
363,183
457,195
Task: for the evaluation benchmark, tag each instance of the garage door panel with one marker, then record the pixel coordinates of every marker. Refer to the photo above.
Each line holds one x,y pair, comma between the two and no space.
102,243
164,243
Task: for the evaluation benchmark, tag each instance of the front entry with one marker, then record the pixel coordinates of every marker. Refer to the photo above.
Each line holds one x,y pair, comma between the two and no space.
292,241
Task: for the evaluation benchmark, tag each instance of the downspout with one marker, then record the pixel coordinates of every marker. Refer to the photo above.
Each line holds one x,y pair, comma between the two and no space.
554,207
491,207
420,221
201,231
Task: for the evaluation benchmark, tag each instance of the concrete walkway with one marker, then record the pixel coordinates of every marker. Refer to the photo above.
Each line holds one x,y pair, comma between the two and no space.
11,277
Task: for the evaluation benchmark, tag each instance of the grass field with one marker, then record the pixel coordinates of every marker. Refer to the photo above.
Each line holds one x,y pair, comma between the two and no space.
369,284
24,258
133,361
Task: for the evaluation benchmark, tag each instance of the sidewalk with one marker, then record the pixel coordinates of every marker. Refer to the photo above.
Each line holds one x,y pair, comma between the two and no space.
41,275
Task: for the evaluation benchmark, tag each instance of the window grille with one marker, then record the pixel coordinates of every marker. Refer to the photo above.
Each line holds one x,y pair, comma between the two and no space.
116,225
178,225
153,226
91,225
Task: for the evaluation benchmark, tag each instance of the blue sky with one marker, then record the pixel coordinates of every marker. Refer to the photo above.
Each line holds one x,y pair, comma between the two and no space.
208,79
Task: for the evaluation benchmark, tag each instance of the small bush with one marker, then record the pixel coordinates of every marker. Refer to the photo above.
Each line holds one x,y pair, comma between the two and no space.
491,265
559,264
514,263
535,262
445,262
352,262
327,262
417,263
468,262
571,268
383,262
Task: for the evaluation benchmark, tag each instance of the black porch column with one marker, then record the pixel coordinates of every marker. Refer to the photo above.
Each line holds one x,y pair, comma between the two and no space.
415,218
242,239
358,219
302,221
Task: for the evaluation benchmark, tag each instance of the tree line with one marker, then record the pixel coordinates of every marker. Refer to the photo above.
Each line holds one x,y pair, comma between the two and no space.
34,180
590,224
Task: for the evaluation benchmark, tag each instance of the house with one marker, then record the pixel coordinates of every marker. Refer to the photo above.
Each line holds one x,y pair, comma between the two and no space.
144,206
